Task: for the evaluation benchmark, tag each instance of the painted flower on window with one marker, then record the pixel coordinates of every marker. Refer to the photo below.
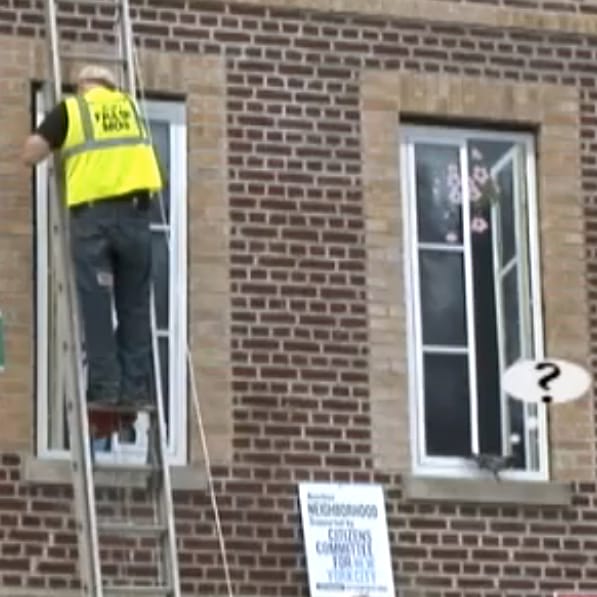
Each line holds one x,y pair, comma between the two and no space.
482,189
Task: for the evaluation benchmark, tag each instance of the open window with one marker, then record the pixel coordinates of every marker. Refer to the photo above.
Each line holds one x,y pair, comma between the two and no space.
473,297
167,120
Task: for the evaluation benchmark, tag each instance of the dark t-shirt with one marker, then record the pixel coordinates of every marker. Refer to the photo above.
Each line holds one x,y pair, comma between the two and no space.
54,126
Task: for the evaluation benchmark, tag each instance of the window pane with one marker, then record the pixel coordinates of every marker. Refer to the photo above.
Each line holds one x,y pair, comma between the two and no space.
486,338
163,349
442,298
57,420
516,436
447,405
505,186
161,278
58,425
160,132
513,351
486,153
438,193
511,316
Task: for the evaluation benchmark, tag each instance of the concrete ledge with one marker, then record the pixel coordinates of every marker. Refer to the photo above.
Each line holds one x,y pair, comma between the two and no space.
487,491
58,472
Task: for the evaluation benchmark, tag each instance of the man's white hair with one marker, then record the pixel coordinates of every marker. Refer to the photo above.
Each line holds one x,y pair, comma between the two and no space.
97,74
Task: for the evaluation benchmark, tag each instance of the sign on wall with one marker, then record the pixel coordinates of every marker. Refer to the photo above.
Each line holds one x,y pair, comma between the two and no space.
346,540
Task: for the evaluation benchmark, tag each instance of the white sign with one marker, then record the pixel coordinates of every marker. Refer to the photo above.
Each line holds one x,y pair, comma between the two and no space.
346,540
546,380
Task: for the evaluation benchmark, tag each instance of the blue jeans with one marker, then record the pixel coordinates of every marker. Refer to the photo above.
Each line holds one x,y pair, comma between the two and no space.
111,246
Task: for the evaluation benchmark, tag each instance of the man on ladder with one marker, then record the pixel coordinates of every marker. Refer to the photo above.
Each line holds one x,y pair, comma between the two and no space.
111,172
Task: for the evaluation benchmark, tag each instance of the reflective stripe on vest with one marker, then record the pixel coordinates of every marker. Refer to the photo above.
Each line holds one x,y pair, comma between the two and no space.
90,142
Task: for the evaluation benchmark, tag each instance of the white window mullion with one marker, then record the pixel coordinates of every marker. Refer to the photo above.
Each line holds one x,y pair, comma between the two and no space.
410,299
410,199
42,295
512,263
535,423
160,228
431,348
499,275
178,294
456,248
469,298
521,284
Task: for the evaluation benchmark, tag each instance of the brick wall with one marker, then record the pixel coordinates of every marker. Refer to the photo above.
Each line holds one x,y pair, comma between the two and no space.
299,340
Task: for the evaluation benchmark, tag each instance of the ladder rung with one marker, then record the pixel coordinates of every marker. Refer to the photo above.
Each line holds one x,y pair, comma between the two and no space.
130,528
108,3
109,467
91,57
142,591
120,408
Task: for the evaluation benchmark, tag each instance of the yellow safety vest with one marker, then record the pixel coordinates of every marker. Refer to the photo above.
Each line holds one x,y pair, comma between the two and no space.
107,151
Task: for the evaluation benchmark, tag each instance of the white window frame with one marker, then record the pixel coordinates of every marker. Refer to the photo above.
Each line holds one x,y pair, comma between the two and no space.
174,113
454,466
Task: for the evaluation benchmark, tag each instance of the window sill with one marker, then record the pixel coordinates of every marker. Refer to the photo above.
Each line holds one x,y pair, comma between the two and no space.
487,491
50,472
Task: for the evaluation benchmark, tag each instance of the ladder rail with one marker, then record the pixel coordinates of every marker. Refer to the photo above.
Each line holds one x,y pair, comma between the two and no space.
166,503
51,92
53,47
127,50
70,340
77,416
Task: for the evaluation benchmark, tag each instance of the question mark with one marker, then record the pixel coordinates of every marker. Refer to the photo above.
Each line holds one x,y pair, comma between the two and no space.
543,381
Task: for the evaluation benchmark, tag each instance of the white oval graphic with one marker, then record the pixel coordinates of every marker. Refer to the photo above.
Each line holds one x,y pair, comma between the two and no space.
546,380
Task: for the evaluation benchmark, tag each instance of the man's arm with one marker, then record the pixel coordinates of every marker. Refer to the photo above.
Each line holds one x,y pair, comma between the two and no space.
35,150
49,136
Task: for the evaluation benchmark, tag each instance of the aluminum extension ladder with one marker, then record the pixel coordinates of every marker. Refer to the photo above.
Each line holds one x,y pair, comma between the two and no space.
92,524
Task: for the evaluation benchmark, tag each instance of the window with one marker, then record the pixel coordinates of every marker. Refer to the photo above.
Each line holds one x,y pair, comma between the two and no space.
473,297
168,128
